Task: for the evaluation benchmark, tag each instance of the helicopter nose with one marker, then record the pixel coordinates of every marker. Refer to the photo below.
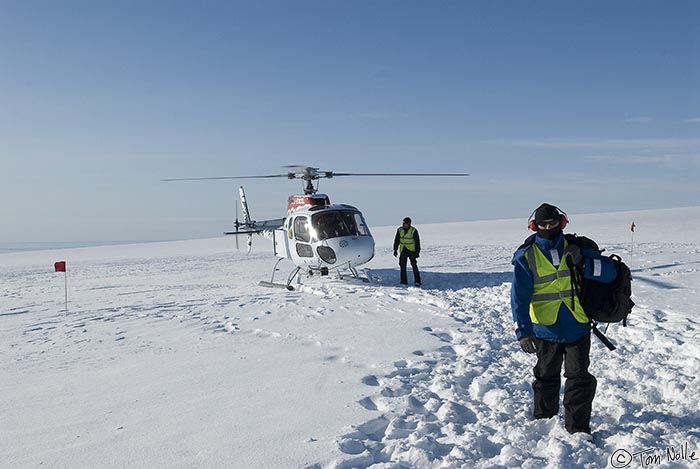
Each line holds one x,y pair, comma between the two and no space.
350,250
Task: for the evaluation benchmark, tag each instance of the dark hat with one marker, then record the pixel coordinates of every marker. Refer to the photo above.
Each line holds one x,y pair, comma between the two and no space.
407,220
546,212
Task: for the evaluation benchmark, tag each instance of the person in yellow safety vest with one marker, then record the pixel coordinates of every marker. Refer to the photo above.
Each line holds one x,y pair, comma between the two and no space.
550,321
407,241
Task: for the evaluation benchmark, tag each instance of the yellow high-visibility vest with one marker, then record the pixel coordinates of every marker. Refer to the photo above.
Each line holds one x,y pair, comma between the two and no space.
406,239
552,287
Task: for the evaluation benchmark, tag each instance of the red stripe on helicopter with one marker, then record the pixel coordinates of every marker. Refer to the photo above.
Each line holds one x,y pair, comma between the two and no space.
296,202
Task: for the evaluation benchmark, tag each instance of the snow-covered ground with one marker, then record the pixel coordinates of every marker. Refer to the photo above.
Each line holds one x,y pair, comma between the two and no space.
171,355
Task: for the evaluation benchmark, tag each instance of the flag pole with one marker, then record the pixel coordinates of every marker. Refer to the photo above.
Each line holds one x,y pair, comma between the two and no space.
632,243
65,283
60,266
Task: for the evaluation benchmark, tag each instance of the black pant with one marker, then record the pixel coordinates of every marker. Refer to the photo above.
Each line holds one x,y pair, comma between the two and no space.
580,386
405,255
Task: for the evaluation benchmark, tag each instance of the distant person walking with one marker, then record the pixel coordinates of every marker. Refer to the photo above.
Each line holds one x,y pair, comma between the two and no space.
407,242
549,319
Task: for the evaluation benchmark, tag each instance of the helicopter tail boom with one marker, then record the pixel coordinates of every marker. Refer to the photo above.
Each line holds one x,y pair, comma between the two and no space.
249,227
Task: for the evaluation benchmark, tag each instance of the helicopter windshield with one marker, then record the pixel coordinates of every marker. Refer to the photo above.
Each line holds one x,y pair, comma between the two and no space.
335,223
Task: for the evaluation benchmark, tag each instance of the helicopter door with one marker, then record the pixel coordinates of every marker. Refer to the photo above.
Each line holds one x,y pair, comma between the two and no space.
302,236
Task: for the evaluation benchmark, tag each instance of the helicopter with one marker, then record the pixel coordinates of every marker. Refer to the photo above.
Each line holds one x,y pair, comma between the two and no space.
318,237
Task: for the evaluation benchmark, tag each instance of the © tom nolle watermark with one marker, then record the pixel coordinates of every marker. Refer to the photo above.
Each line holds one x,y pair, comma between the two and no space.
653,457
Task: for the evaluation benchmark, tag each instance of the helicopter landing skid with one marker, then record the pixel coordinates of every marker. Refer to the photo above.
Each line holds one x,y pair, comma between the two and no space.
354,275
272,284
264,283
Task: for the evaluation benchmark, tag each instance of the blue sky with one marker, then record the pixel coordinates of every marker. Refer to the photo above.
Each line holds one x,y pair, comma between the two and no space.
593,106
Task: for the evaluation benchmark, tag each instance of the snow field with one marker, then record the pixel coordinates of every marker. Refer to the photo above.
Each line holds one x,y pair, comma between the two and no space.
172,355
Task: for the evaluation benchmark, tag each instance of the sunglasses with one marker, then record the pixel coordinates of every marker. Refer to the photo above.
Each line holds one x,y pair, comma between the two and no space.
548,224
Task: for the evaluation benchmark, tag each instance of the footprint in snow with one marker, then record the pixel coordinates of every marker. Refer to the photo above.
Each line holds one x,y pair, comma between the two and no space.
400,428
351,446
448,350
230,327
452,412
416,406
404,372
398,392
368,403
374,429
443,336
370,380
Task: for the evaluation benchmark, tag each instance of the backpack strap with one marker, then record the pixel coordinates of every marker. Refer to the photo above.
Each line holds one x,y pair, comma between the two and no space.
528,242
582,241
575,276
602,337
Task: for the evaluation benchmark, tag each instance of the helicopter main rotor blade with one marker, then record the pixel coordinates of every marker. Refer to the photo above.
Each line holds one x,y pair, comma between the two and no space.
228,177
309,173
397,174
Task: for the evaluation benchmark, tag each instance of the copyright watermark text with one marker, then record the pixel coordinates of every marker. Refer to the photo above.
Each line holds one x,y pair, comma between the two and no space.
651,457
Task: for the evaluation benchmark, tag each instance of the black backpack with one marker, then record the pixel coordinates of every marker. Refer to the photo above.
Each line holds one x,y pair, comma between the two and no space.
604,302
609,302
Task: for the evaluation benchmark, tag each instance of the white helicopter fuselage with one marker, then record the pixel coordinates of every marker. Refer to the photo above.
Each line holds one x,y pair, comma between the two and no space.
323,237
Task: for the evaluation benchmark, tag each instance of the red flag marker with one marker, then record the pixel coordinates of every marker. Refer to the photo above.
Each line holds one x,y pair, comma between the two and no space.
632,227
60,266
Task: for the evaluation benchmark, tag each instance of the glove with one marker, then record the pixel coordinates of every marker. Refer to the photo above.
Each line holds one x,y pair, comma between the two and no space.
528,344
417,254
396,253
573,252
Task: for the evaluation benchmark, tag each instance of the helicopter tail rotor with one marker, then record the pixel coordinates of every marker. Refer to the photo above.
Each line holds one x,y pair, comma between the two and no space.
246,217
249,226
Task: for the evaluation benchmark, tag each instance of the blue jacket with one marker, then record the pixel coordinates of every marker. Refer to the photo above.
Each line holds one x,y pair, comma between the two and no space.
566,329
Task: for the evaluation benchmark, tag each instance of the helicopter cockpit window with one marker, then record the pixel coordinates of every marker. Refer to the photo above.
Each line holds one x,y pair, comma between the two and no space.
332,224
362,229
301,229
